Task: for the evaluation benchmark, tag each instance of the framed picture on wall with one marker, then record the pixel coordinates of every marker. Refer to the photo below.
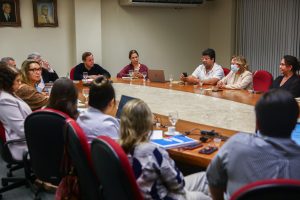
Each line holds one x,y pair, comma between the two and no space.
45,13
10,13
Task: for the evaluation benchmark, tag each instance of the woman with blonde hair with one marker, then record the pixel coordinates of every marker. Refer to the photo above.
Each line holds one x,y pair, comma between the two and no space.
239,76
155,172
31,72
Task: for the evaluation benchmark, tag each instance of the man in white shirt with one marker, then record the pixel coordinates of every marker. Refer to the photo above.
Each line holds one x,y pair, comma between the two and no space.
208,72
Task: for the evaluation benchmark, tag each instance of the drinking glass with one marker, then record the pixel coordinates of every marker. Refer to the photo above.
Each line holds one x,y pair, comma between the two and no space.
201,83
173,117
85,76
85,93
144,76
171,79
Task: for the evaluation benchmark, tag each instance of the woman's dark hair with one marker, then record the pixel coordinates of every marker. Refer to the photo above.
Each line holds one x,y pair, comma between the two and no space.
7,77
292,60
101,93
277,113
63,97
132,52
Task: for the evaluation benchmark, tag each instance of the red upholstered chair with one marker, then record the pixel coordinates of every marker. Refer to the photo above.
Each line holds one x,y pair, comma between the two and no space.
72,73
226,71
114,171
44,132
262,80
272,189
80,153
10,182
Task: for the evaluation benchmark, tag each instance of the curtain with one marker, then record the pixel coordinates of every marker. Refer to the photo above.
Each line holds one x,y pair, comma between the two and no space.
267,30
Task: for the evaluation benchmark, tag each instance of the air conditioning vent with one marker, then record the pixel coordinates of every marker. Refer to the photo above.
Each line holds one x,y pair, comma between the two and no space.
162,3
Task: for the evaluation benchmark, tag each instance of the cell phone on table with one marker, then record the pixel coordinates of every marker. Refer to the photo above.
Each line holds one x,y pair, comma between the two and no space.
208,150
184,74
193,146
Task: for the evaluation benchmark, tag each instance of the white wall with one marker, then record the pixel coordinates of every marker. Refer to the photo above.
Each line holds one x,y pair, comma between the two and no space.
166,38
88,29
55,44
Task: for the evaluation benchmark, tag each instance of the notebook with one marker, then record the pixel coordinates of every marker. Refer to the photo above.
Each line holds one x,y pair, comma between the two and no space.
296,134
174,141
156,75
124,99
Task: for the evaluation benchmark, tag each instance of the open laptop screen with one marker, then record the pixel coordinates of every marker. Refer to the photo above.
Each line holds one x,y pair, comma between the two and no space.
296,134
156,75
122,102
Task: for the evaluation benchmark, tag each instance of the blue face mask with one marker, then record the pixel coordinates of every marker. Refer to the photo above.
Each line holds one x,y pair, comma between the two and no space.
234,68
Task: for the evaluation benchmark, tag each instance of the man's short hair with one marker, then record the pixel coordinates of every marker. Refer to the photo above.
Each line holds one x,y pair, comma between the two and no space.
34,56
85,55
277,113
209,52
7,59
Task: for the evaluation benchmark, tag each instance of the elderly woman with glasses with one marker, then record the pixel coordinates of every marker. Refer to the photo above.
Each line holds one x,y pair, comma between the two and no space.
31,76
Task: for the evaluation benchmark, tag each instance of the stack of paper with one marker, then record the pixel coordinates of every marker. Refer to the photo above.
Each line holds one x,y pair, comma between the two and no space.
174,141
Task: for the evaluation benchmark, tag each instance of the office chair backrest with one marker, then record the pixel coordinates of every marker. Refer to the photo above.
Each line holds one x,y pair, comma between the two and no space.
72,71
113,170
80,154
262,80
272,189
45,140
2,133
4,147
226,71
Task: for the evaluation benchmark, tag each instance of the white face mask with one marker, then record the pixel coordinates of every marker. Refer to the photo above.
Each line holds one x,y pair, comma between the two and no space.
234,68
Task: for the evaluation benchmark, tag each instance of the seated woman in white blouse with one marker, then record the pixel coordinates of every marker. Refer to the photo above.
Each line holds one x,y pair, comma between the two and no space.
98,118
239,76
13,109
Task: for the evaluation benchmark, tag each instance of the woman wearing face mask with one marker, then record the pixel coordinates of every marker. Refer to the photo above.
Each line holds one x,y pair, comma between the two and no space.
239,76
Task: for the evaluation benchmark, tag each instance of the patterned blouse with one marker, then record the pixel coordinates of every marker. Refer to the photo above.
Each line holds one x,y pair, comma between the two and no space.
156,173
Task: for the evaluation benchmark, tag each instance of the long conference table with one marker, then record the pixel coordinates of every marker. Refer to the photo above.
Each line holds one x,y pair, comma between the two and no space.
226,112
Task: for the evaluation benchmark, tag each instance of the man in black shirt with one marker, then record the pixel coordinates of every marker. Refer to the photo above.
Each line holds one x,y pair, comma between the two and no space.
89,66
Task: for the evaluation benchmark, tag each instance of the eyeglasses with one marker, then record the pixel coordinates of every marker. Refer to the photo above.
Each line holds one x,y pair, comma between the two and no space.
35,69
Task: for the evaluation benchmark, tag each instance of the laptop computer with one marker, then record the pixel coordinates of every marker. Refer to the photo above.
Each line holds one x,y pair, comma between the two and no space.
124,99
156,75
296,134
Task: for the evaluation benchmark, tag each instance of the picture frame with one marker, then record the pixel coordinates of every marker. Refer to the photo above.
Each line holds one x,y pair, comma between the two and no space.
10,13
45,13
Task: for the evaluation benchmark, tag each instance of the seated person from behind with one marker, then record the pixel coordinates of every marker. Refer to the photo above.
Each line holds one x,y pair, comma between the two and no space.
155,172
13,109
209,72
31,76
63,97
269,154
134,65
239,76
97,119
88,65
289,80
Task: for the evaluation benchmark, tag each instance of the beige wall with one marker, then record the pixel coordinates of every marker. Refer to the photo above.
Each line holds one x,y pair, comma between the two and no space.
166,38
55,44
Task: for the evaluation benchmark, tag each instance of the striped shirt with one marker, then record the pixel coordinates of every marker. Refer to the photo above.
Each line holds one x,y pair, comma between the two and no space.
156,173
